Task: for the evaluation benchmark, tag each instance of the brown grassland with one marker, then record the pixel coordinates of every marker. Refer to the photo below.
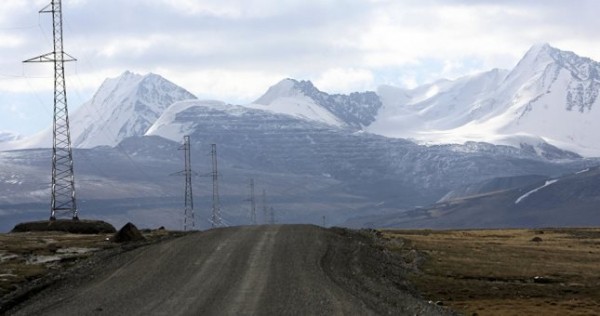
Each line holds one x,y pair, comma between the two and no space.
505,272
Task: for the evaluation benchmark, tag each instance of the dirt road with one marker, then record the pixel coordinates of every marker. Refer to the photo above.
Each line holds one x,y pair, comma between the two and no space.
255,270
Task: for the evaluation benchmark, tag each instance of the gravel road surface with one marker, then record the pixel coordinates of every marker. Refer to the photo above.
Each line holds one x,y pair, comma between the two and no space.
253,270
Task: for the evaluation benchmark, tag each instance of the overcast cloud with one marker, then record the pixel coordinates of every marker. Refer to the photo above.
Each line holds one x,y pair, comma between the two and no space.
233,50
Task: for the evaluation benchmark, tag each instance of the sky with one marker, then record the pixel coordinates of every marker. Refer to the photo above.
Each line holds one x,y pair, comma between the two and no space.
234,50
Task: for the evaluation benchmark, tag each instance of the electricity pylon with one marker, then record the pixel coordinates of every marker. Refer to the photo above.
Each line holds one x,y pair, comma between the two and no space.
63,180
252,200
188,213
216,206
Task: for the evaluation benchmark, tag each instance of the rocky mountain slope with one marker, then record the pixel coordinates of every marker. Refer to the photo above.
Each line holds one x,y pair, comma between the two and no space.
532,201
303,99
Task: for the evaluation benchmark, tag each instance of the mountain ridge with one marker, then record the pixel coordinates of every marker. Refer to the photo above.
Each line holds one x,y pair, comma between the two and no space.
549,97
532,105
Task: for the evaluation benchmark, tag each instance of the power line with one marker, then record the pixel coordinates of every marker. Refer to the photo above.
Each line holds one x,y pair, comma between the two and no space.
63,180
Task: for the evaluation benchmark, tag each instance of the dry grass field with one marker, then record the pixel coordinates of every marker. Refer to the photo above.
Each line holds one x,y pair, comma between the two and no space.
506,272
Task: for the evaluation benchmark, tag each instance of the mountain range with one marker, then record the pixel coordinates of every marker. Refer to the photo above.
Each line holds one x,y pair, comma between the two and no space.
551,95
351,159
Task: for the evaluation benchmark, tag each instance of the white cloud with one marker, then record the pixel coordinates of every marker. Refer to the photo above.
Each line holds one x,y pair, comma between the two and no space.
345,80
240,87
235,49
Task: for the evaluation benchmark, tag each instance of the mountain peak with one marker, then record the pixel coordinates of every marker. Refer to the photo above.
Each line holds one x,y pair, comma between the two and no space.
545,53
124,106
287,88
538,53
539,47
355,110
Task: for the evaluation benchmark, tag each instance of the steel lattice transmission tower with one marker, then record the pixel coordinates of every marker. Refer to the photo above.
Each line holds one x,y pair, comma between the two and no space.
216,204
188,213
63,180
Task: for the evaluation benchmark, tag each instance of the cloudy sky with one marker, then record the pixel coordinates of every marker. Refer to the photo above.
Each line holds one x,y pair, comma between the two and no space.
233,50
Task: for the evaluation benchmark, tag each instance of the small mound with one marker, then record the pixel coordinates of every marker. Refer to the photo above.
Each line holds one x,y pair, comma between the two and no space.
66,225
128,233
537,239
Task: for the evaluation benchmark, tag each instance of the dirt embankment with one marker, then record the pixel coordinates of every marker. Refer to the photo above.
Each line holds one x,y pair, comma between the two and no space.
361,262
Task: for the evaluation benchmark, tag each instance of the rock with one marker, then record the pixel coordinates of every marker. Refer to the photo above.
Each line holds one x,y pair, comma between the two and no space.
128,233
536,239
543,280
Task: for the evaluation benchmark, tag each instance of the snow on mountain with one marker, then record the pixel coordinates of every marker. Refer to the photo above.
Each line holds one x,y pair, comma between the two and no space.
549,100
526,195
303,100
559,102
123,107
179,119
438,106
285,98
551,96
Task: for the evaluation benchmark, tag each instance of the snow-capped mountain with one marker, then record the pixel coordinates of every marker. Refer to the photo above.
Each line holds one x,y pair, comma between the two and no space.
440,105
551,96
122,107
302,99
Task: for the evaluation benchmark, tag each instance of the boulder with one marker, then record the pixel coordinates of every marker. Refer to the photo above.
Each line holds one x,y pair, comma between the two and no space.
128,233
